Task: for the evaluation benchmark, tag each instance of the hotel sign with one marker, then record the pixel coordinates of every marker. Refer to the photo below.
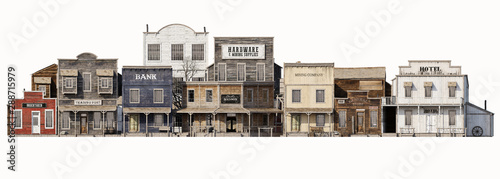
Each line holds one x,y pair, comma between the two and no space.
243,51
230,99
88,102
34,105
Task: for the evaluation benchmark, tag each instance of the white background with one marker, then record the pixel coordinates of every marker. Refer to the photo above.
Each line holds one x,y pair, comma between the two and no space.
466,32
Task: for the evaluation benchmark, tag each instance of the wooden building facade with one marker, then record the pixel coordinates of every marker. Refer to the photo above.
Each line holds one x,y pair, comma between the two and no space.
45,80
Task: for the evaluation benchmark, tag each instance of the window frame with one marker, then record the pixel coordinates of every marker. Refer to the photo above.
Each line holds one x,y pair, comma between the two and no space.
174,53
90,81
149,54
263,72
193,52
450,91
68,122
265,95
138,95
188,99
238,72
323,95
324,120
219,70
65,81
249,100
344,119
428,91
408,91
211,95
52,123
162,95
21,117
162,123
44,91
408,119
100,119
454,118
300,95
374,117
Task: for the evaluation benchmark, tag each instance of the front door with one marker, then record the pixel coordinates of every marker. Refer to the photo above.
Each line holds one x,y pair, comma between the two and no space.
35,122
231,124
134,123
83,123
295,123
431,123
360,121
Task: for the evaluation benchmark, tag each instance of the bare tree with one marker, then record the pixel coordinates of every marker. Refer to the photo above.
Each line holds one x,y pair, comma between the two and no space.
189,70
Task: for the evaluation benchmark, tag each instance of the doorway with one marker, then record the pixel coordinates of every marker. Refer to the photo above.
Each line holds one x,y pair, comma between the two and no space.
231,124
134,123
35,122
431,121
83,123
360,122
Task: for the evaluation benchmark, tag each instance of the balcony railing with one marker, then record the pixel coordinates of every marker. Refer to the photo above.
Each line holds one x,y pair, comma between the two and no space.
407,130
451,130
422,100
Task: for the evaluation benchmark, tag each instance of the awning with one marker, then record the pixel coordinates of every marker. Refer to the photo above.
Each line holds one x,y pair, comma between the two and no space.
42,80
452,83
87,108
197,110
104,72
68,72
309,110
426,84
264,110
408,84
147,110
232,110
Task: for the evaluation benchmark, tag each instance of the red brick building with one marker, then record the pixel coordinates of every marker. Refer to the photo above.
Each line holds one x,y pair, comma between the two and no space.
35,114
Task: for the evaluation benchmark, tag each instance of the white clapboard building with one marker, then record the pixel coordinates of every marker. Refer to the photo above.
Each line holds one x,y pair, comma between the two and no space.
429,98
181,47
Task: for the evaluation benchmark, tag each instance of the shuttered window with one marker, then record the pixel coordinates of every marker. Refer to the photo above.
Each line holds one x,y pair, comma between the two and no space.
222,72
260,71
177,51
49,118
428,91
320,120
134,95
153,51
110,116
241,72
408,117
373,118
86,82
65,120
190,95
18,117
407,91
158,119
320,96
208,95
97,120
198,51
158,95
342,118
296,96
452,90
452,116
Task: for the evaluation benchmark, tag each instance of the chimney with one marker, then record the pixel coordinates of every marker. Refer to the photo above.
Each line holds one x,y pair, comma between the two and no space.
298,61
484,104
205,30
147,28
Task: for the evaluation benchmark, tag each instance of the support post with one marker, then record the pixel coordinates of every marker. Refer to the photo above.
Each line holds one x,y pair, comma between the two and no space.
147,126
168,124
308,124
249,123
331,124
75,112
190,131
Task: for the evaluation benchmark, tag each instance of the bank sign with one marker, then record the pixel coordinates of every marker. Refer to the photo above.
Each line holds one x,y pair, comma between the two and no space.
243,51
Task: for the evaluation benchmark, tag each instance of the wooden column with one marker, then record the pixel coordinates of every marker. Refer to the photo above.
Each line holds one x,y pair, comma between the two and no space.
147,126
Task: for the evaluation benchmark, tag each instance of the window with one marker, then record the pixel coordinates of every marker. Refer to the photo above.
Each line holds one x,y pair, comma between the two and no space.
49,119
18,117
158,119
428,89
342,118
373,118
65,120
265,95
452,116
452,90
86,82
295,123
265,120
198,79
97,120
320,120
198,51
208,95
320,96
408,117
153,51
209,119
68,82
157,95
110,116
178,79
178,120
407,91
135,96
35,118
43,89
190,95
296,96
222,72
260,71
177,51
250,95
105,82
241,71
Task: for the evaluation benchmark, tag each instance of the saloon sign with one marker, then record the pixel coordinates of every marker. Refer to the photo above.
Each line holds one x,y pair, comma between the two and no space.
230,99
243,51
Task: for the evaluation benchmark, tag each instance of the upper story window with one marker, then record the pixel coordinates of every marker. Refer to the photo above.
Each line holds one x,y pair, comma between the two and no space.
241,71
157,95
198,51
105,85
222,72
70,85
250,95
87,82
190,95
408,86
42,88
177,52
428,89
261,71
198,79
208,95
153,51
452,87
135,96
265,95
320,96
296,96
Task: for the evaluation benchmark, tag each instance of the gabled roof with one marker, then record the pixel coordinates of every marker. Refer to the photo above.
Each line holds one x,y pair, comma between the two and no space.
478,108
52,68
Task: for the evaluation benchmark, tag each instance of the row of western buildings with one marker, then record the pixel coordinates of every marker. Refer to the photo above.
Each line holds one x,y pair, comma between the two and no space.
178,93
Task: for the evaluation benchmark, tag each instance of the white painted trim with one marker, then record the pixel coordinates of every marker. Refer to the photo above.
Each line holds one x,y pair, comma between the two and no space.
53,118
90,82
300,95
69,120
225,71
316,95
130,95
147,53
101,122
267,95
39,115
257,72
244,71
21,117
162,95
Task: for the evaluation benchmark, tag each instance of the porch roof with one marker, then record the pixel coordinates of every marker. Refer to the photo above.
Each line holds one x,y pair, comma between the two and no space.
146,110
197,110
264,110
309,110
232,110
87,108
